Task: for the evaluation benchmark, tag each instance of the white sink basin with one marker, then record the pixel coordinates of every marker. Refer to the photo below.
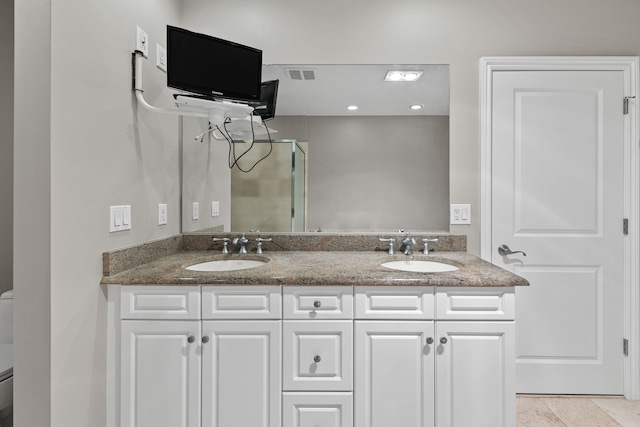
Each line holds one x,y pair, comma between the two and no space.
226,265
420,266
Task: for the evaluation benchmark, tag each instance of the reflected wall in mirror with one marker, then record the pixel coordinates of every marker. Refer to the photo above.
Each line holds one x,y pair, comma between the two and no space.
379,168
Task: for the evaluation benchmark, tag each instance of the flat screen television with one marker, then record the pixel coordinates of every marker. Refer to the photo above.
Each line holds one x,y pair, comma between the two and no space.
212,67
266,107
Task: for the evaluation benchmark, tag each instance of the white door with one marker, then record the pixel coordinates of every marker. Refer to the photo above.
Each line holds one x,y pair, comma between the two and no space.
394,374
160,379
474,368
558,195
241,373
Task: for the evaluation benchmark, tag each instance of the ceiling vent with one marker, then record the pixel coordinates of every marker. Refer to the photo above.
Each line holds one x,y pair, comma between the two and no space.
301,74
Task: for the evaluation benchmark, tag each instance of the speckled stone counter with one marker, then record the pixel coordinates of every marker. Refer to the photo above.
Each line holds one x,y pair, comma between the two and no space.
317,268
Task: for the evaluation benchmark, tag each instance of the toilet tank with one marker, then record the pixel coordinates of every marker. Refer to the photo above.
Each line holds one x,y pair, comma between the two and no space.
6,317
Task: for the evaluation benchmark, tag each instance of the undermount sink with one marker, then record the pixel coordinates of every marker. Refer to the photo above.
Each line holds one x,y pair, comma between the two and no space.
226,265
420,266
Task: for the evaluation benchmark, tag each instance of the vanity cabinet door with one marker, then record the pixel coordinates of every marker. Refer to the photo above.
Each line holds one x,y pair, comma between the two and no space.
394,375
475,379
241,373
160,373
318,355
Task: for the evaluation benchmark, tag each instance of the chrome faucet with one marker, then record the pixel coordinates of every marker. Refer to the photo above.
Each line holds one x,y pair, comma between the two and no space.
408,242
242,241
426,245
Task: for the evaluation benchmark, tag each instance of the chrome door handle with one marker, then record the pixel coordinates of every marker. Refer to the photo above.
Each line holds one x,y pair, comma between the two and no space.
504,250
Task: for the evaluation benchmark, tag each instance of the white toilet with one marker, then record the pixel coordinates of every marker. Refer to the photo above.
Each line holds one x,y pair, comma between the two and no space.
6,359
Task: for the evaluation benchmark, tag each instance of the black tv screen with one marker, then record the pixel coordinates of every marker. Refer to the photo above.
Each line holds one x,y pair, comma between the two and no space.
266,107
213,67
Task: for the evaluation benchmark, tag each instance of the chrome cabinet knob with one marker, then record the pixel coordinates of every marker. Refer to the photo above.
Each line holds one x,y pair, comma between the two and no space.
317,358
205,339
191,339
317,304
443,340
429,340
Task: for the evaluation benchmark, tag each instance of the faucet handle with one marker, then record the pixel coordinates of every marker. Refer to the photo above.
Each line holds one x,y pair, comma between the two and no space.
390,240
225,243
259,246
426,245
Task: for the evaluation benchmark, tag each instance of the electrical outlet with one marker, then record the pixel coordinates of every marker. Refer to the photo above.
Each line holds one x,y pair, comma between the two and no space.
162,214
195,211
161,58
215,208
142,42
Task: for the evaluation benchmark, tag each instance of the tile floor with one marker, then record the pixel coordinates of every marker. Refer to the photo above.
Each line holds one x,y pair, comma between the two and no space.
576,411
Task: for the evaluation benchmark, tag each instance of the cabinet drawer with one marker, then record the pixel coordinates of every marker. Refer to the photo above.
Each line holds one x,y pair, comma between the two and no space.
475,304
160,302
318,355
394,302
241,302
317,409
327,302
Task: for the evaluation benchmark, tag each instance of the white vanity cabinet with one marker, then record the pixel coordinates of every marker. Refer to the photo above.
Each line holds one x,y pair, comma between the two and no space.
317,356
160,358
394,376
311,356
241,360
448,362
192,356
475,362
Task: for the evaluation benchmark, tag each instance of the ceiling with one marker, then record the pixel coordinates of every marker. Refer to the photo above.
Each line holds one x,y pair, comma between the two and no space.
334,87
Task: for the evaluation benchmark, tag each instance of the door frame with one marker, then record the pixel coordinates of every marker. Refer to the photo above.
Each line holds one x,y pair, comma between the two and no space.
629,66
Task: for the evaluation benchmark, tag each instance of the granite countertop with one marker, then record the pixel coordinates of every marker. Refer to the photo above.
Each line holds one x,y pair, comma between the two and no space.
318,268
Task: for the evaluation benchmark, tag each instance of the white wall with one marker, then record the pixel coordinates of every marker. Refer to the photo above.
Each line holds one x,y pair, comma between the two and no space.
32,219
81,144
6,144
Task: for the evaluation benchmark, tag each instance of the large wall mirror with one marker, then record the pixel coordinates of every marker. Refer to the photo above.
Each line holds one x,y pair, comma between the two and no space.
378,168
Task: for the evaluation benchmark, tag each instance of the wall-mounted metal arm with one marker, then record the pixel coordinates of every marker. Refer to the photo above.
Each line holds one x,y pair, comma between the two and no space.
215,111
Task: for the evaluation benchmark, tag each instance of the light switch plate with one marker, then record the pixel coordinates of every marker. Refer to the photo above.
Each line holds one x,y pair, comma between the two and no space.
161,57
460,214
119,218
195,211
215,208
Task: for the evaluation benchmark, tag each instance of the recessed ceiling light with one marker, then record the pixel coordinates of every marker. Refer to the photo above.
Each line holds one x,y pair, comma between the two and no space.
402,76
352,107
411,76
393,76
416,107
